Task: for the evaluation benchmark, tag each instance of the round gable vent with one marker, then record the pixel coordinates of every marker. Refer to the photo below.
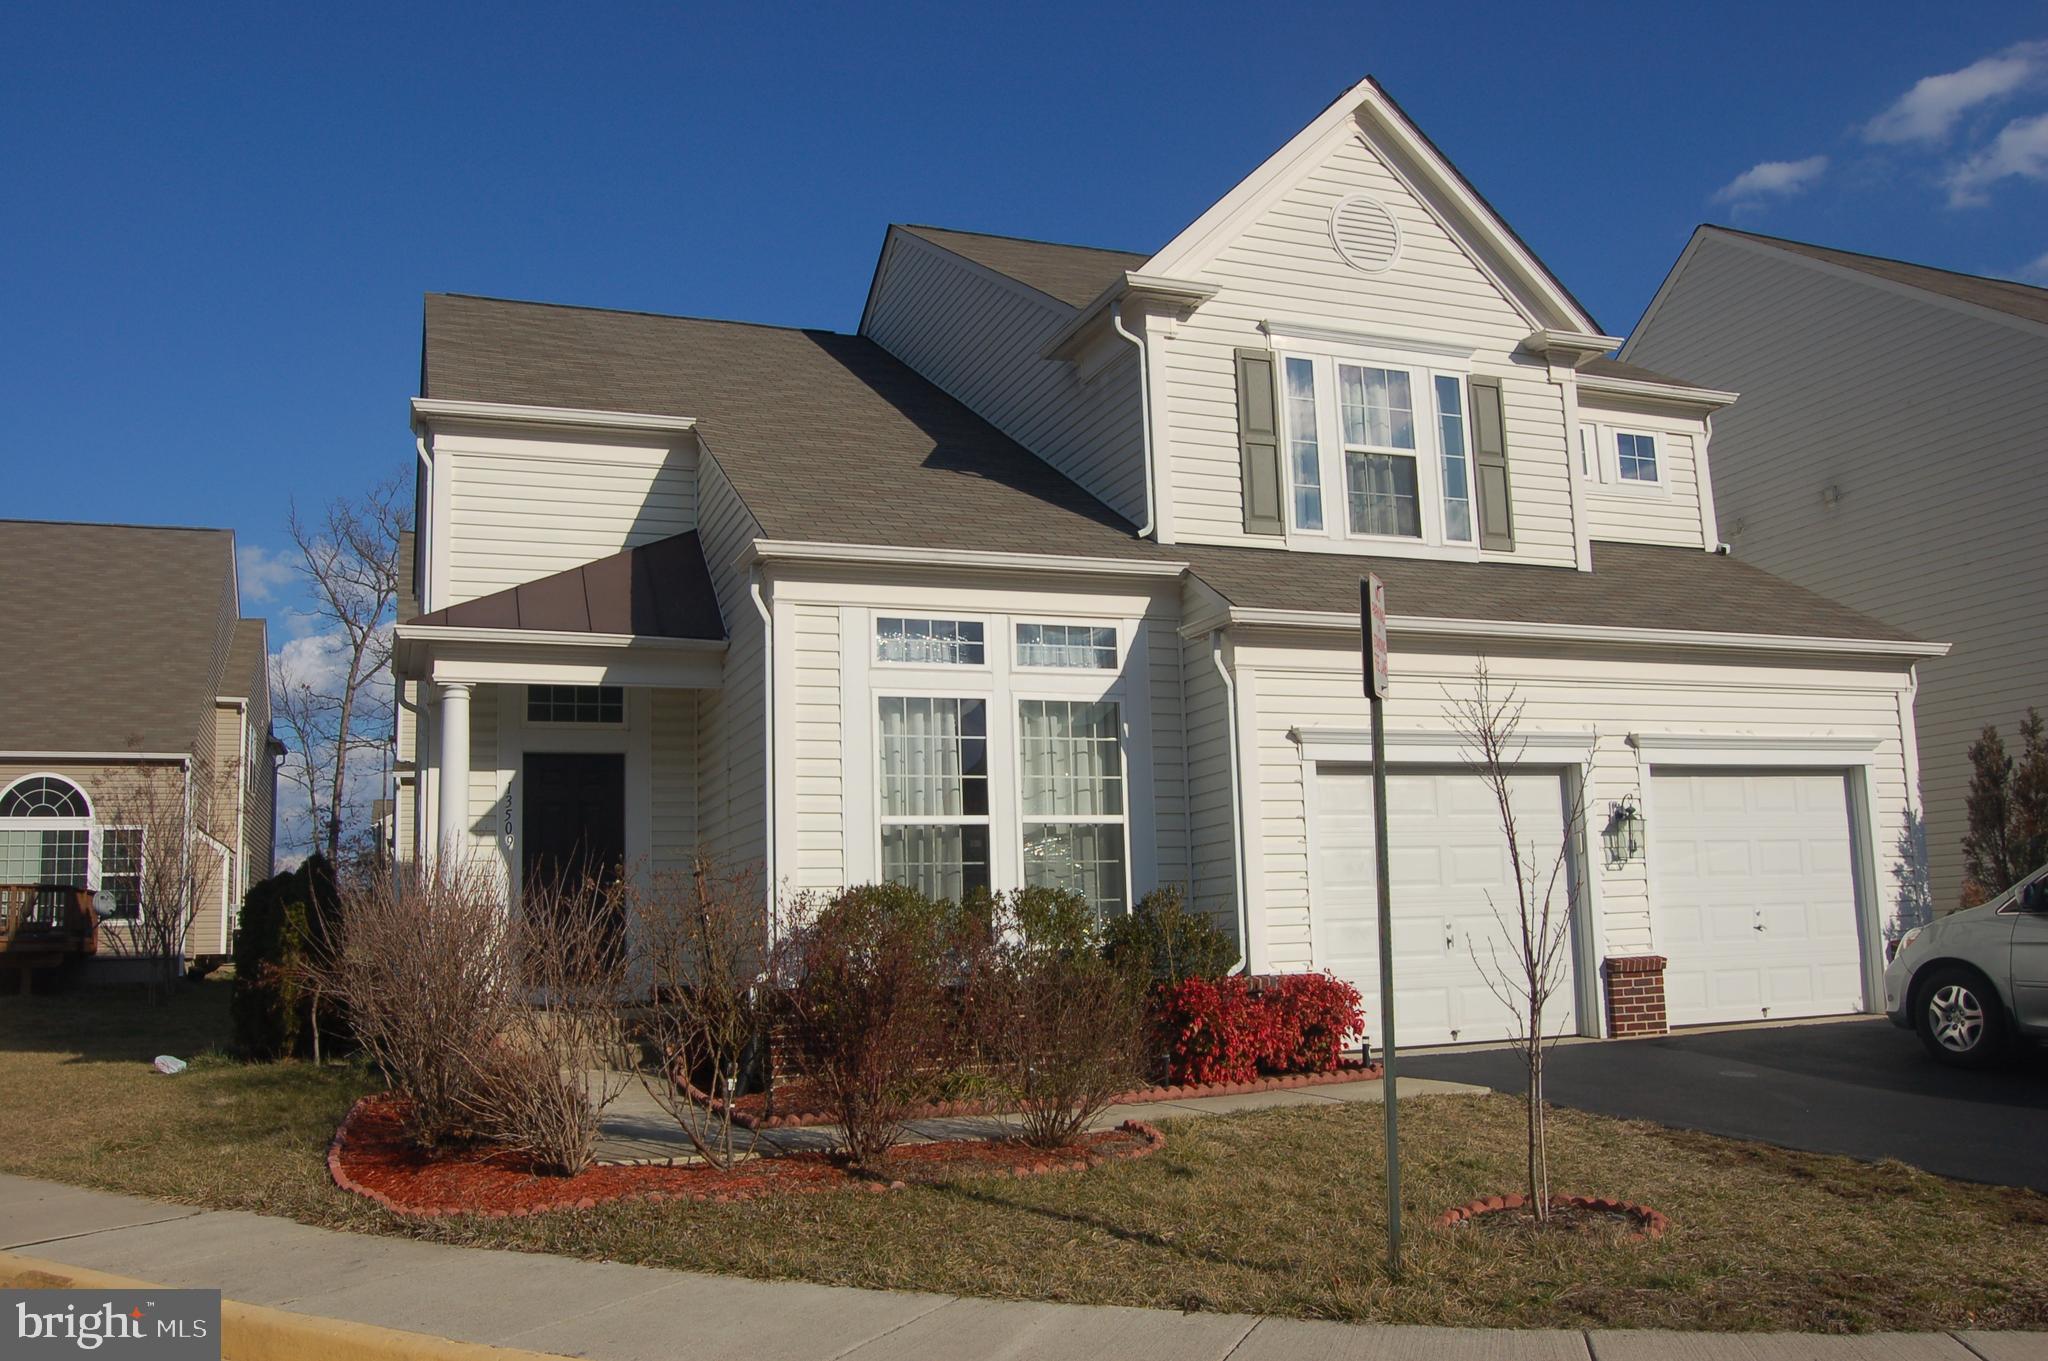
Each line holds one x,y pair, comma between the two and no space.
1365,234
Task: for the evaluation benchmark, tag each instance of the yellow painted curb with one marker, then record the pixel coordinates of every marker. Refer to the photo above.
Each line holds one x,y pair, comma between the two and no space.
253,1332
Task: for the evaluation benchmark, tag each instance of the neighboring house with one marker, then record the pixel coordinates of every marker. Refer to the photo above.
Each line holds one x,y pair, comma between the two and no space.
1887,452
133,685
1051,575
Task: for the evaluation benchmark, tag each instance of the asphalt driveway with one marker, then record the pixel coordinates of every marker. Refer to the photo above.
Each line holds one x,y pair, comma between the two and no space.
1862,1088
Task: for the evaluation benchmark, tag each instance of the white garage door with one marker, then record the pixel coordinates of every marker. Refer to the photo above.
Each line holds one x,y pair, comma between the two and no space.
1752,898
1448,856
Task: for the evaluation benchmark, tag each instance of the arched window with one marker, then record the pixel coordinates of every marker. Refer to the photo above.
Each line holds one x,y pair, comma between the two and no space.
45,833
44,796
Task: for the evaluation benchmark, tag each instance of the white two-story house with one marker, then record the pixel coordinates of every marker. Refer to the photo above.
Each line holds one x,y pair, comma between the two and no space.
1050,574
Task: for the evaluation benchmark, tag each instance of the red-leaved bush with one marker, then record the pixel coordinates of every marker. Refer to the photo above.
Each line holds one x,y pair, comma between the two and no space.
1312,1015
1217,1030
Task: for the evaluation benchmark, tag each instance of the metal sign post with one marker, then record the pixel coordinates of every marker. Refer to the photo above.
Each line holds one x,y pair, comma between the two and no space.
1372,610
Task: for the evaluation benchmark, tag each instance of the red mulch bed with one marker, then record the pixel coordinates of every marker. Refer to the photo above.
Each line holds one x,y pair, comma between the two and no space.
1568,1214
370,1156
796,1103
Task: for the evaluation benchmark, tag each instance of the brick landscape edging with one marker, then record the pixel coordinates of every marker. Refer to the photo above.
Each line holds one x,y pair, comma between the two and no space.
1650,1223
1151,1141
939,1110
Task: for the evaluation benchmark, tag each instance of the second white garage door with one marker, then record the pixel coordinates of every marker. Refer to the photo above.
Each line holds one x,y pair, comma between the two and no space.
1752,895
1448,856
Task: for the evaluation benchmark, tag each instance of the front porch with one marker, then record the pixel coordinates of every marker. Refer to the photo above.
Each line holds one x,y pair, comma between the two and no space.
559,725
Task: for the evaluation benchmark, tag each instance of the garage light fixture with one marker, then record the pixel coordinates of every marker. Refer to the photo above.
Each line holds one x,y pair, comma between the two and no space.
1623,834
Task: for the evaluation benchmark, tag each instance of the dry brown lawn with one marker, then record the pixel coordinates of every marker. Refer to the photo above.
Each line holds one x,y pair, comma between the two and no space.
1274,1212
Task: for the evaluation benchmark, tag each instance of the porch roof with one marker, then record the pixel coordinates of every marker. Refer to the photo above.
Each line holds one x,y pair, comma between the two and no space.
657,590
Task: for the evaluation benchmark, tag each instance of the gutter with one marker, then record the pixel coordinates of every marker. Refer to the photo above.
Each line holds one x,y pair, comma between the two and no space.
1237,865
1116,322
1182,293
952,560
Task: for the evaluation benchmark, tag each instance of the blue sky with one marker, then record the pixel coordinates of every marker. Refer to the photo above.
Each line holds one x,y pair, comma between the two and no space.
219,220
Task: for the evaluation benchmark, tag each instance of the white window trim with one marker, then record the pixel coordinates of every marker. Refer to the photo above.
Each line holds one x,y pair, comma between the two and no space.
1111,695
1333,453
990,724
988,628
12,785
1607,447
1115,625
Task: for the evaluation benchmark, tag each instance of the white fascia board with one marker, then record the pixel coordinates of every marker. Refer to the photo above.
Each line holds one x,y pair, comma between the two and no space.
427,410
1713,398
1508,630
853,554
1188,250
1185,294
1439,746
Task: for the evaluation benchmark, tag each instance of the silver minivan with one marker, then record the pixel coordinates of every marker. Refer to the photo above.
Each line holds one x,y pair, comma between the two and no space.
1972,981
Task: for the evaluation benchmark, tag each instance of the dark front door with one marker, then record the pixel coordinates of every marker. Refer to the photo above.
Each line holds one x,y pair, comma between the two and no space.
574,810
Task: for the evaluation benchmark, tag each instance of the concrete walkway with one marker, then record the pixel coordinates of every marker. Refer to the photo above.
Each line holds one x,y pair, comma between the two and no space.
625,1313
637,1129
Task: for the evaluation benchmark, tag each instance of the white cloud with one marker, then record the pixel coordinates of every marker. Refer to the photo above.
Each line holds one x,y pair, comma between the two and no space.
2019,151
2034,273
1930,110
1771,178
262,573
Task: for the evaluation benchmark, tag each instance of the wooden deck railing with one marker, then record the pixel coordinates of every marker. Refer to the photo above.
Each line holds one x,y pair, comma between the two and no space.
47,920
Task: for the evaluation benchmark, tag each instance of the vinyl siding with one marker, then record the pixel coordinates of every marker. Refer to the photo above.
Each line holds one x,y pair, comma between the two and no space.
1668,514
521,508
1168,738
1283,267
1900,478
977,336
818,860
1317,687
1212,864
488,783
673,734
731,758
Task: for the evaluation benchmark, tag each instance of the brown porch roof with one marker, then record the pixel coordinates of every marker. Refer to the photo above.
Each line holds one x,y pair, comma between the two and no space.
659,589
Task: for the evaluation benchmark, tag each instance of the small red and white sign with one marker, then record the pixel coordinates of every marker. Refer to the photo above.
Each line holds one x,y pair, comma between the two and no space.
1373,605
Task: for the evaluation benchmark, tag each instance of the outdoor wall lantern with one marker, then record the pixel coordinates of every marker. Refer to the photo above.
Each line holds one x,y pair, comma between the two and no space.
1623,834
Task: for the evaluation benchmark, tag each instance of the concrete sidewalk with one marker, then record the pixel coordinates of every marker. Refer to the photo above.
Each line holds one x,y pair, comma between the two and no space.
626,1313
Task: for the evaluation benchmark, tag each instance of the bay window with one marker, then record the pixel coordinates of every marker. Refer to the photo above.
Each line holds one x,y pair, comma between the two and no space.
934,794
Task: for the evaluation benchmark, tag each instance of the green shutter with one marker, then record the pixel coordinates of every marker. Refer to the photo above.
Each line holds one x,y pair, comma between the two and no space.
1490,467
1258,443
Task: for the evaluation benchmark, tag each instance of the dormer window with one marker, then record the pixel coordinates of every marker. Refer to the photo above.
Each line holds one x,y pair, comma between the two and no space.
1635,457
1621,460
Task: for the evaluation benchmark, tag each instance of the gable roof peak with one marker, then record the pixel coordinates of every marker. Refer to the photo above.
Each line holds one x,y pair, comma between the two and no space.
2008,296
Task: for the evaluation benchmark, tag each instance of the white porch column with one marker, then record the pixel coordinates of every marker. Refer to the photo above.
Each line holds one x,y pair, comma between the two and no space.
451,845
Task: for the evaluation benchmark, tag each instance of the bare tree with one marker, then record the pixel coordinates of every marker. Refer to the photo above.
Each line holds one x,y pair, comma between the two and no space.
349,559
1529,960
158,868
703,946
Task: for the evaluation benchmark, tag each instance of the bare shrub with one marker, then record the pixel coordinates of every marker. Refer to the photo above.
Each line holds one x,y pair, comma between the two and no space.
1061,1028
423,964
1536,929
542,1089
872,983
173,866
703,940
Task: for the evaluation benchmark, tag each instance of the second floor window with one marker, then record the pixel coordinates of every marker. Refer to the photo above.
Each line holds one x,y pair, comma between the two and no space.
1304,446
945,642
1380,474
1635,457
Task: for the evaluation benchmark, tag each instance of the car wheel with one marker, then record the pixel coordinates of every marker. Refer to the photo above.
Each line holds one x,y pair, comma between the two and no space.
1960,1019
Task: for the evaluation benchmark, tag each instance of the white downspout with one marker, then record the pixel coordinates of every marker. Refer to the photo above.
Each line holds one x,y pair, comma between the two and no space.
1116,320
422,580
768,723
1244,918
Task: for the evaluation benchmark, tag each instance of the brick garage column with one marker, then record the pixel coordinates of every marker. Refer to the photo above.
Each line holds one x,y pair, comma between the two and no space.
1635,995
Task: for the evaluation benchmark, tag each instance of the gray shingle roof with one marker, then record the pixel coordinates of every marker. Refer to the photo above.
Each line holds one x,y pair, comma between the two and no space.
118,635
2000,295
1072,274
829,439
659,589
1630,586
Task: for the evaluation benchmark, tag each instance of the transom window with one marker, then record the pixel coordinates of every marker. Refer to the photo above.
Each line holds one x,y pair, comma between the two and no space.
44,796
945,642
1071,779
1088,647
934,794
575,704
1635,457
